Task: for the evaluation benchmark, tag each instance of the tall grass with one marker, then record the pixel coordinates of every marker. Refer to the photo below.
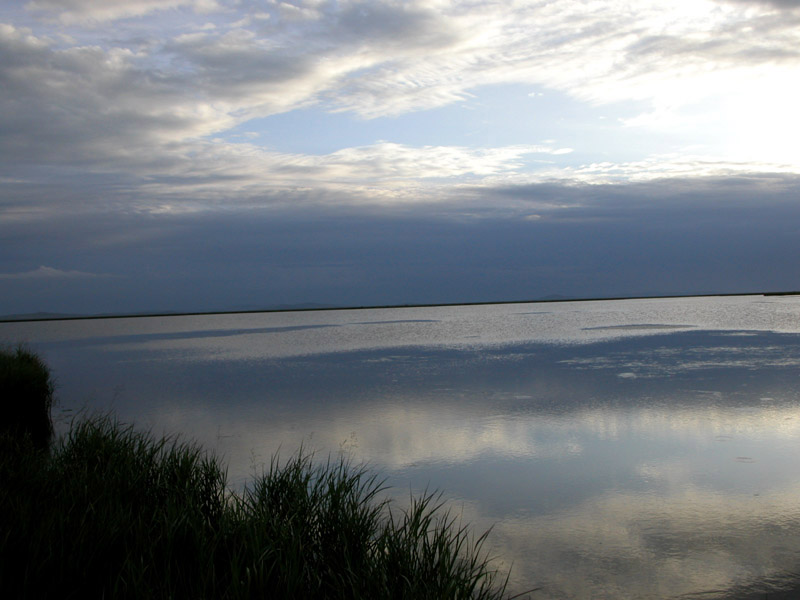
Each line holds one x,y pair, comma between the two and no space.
26,397
112,512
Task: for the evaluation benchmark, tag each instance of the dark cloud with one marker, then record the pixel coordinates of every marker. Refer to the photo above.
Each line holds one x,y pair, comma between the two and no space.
284,62
665,238
83,105
721,193
89,11
393,25
226,67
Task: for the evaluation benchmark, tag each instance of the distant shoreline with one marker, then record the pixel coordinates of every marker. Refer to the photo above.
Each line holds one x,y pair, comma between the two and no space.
23,318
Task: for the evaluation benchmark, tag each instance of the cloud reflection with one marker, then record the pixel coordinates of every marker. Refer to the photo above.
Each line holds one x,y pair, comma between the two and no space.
674,511
401,434
689,542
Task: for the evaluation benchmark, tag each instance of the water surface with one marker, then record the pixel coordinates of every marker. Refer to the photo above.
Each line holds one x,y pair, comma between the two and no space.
636,449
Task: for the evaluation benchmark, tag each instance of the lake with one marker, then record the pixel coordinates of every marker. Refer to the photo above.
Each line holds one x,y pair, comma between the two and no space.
617,449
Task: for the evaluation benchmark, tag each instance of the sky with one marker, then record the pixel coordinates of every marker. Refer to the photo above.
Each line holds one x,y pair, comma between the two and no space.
190,155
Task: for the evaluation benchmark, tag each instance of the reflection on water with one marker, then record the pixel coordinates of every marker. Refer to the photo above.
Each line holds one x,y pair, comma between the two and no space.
622,450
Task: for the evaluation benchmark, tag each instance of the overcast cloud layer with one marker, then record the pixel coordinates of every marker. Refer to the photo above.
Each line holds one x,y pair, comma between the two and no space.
195,154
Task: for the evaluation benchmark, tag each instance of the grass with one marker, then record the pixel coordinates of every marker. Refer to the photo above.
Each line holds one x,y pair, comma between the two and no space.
26,398
112,512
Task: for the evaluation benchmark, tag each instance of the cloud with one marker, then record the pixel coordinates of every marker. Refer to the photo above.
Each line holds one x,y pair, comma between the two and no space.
385,161
90,106
781,4
472,244
677,167
49,273
601,53
151,118
104,110
99,11
378,59
731,192
153,108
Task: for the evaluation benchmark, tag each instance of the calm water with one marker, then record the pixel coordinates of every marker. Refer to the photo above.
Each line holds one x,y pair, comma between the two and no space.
626,449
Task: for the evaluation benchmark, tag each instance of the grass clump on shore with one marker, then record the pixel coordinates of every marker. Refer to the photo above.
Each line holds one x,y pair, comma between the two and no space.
111,512
26,397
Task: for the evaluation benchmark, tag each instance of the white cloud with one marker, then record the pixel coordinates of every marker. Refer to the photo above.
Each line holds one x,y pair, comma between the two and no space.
670,166
386,161
49,273
379,173
147,105
703,169
600,52
384,58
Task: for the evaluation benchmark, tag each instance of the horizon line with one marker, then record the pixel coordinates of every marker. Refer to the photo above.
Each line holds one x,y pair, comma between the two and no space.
383,306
